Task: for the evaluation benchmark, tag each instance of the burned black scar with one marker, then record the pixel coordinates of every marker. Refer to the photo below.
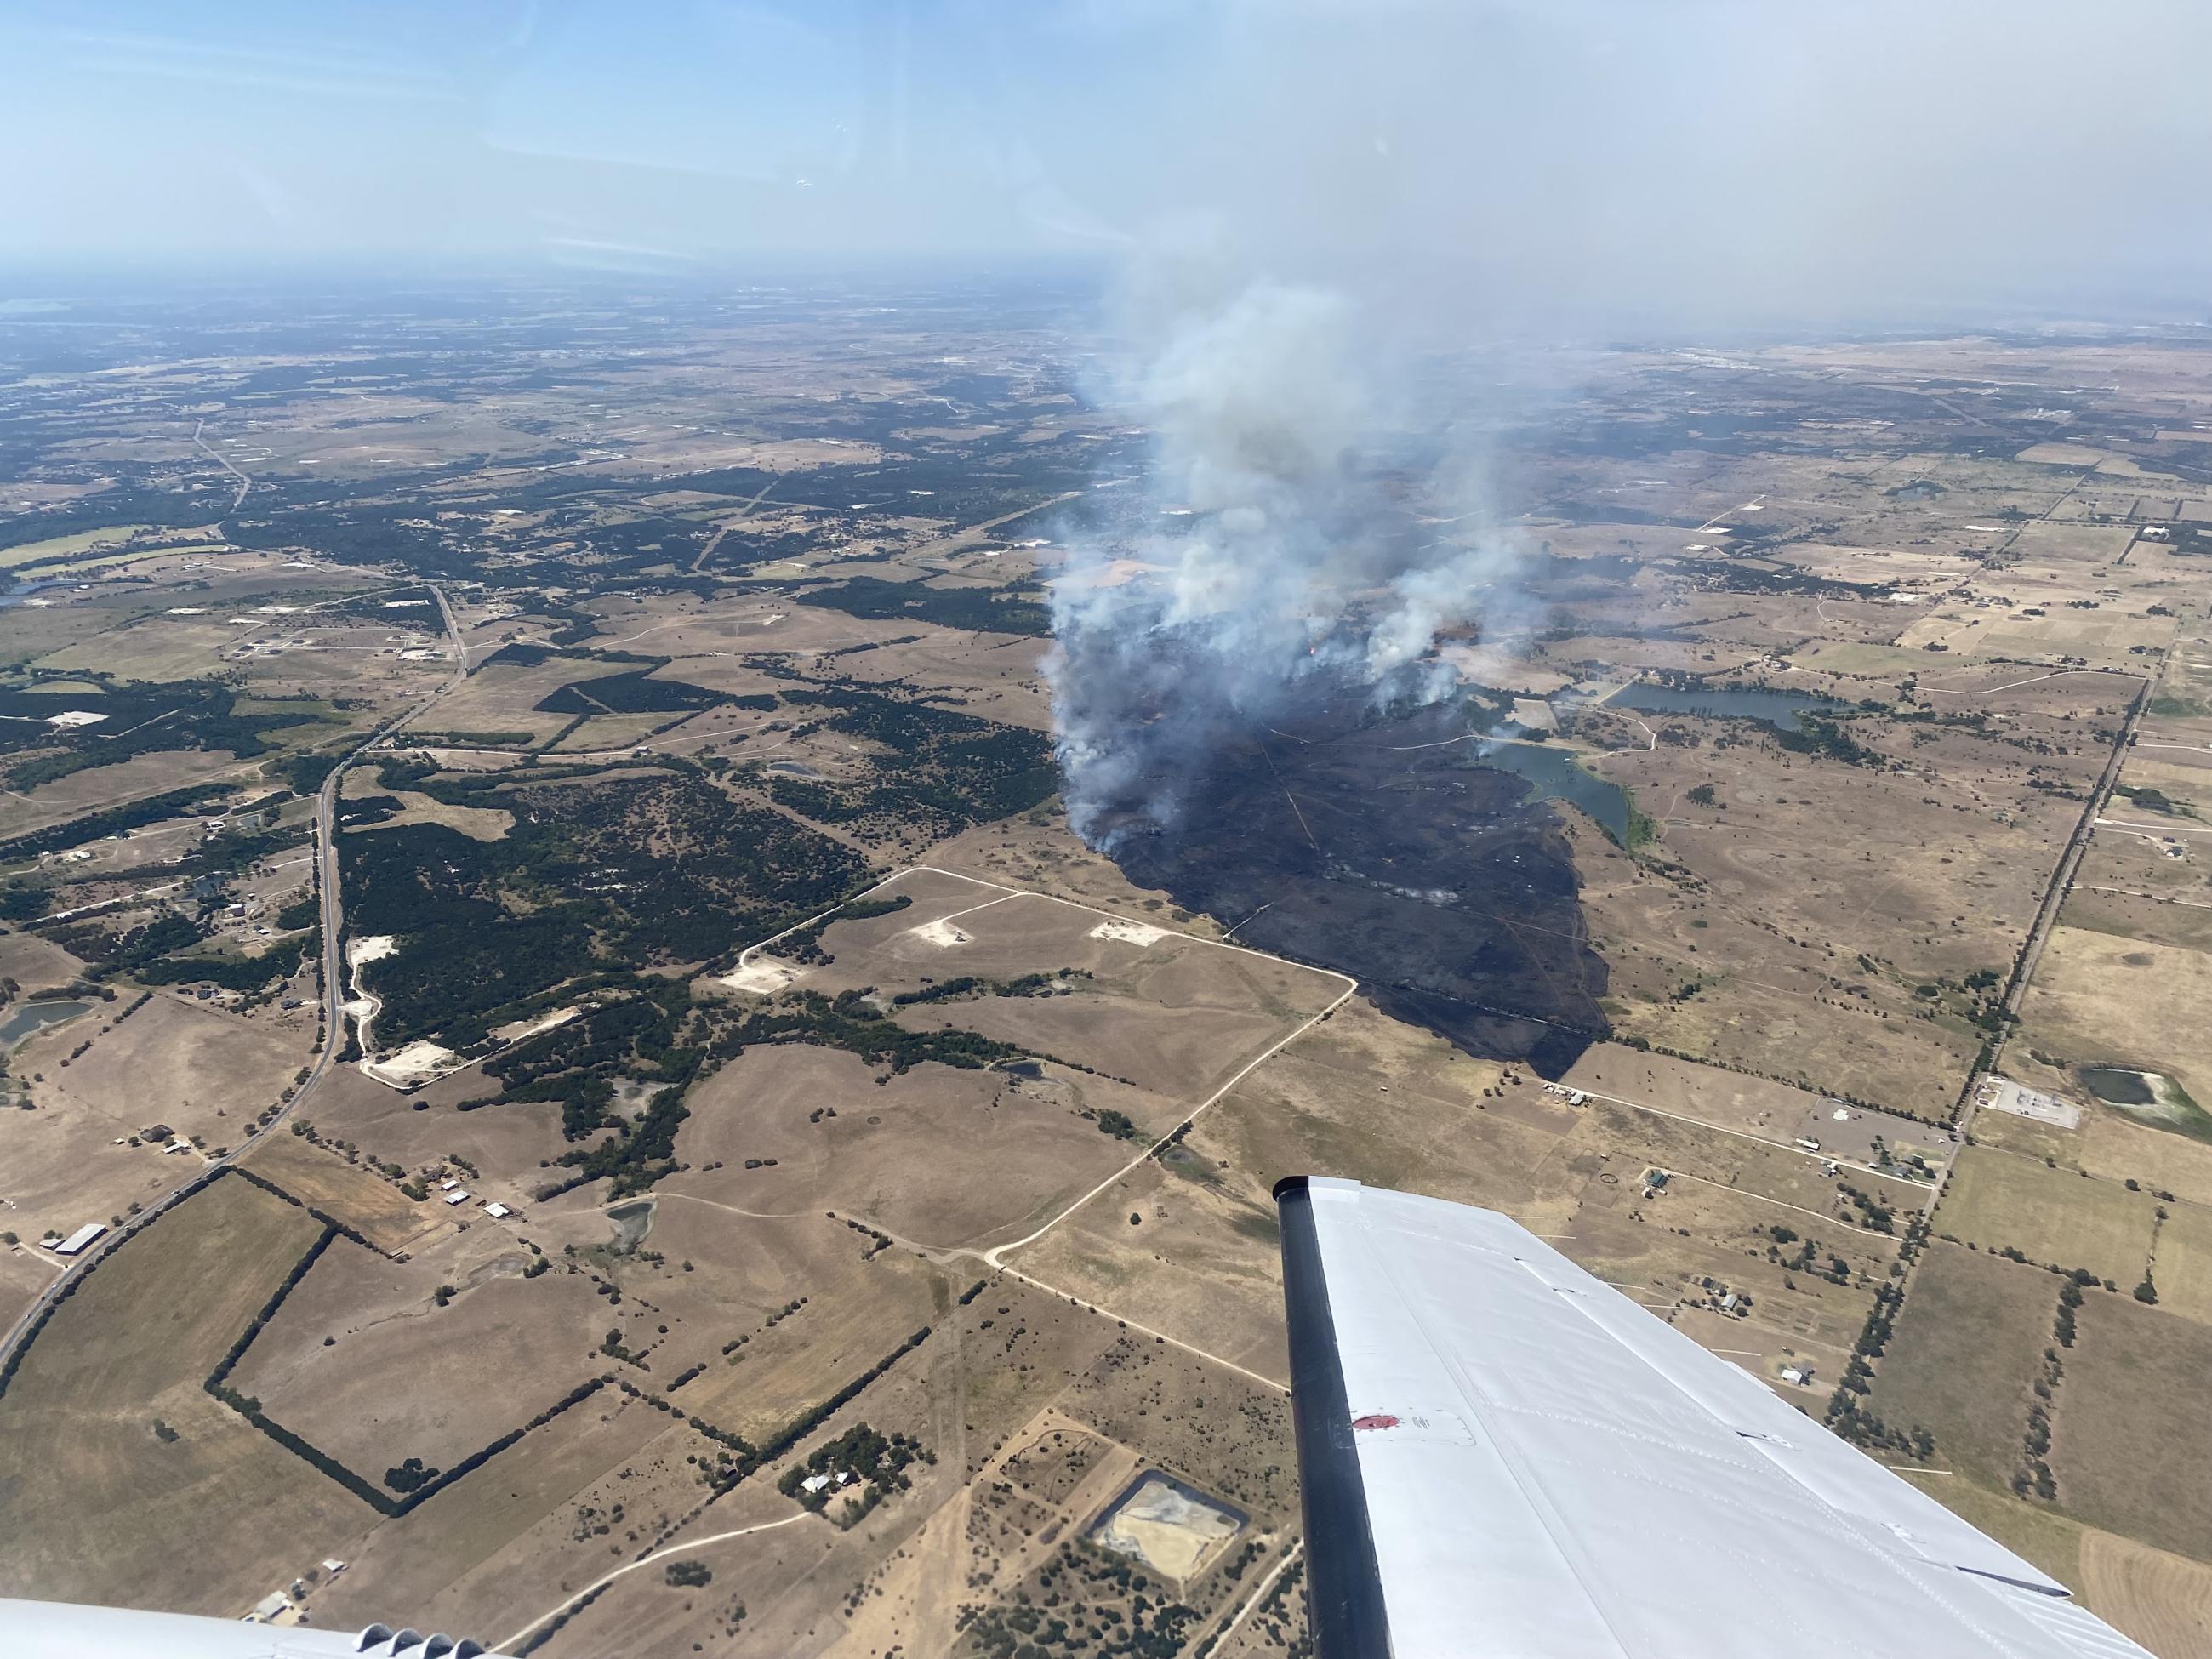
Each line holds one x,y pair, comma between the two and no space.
1385,850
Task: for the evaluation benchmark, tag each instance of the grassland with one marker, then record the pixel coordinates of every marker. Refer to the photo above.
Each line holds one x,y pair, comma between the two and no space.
2053,1218
2183,1269
71,1160
78,1443
1961,1362
2161,1599
368,1363
591,1457
906,1156
64,547
2130,1436
370,1203
2104,1000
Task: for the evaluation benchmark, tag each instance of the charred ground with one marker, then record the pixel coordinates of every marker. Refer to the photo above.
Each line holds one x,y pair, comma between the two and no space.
1379,845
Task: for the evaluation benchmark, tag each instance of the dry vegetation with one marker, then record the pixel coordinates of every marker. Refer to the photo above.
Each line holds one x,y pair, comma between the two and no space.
1789,931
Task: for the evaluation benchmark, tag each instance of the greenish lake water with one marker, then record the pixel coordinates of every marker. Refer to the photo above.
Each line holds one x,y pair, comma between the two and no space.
1551,775
28,1016
1779,709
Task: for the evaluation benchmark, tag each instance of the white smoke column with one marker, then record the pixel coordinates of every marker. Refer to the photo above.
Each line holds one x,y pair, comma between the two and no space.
1262,407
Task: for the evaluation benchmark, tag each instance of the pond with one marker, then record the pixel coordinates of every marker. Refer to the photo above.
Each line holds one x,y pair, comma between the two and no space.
631,1221
2117,1086
2149,1097
23,591
27,1017
1552,775
1779,709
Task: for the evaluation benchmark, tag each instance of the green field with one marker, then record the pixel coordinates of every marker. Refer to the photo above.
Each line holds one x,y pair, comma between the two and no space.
2053,1217
63,547
72,566
2183,1268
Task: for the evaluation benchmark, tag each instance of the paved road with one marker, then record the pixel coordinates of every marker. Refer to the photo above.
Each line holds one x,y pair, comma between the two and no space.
2054,899
245,483
333,914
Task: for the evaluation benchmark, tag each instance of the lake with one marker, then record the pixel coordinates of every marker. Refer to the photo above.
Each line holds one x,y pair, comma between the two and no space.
23,591
2119,1086
1779,709
1551,775
25,1018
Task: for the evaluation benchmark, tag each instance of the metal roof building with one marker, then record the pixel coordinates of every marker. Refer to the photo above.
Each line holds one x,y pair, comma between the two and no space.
77,1240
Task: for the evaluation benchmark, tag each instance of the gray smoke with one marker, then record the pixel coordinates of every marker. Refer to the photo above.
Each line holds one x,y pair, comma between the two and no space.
1281,531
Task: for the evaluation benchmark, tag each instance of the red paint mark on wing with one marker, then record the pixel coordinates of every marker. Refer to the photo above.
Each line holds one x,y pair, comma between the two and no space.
1374,1420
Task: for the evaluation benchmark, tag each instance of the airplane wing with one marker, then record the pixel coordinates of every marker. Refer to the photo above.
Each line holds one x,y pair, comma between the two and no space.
1502,1456
60,1630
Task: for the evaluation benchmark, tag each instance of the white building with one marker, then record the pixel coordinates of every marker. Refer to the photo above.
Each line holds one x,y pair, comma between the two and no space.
77,1240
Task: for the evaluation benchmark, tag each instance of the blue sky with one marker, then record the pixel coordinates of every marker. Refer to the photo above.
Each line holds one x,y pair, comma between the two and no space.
674,131
1717,154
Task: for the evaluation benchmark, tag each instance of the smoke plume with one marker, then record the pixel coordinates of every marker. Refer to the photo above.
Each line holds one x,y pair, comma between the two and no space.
1293,523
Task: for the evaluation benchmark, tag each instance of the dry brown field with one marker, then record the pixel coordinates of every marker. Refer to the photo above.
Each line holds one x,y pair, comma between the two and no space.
216,1071
634,1498
363,1364
2099,999
478,823
1172,1014
361,1199
25,1271
2115,1147
2119,893
98,787
2130,1438
78,1443
503,698
940,1156
505,1142
853,1315
2161,1599
34,964
1199,1262
1962,1356
579,1458
1754,1106
2034,1531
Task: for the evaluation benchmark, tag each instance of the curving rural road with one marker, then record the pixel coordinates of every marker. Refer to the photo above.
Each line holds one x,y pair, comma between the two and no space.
684,1548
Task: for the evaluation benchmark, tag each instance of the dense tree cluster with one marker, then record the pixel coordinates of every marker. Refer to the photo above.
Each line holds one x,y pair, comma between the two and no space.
940,770
594,876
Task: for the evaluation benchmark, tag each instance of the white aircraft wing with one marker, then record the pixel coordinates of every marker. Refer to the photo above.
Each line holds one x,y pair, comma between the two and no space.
1502,1456
59,1629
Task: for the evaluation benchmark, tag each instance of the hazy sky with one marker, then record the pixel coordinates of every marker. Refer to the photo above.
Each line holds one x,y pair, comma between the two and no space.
1616,156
